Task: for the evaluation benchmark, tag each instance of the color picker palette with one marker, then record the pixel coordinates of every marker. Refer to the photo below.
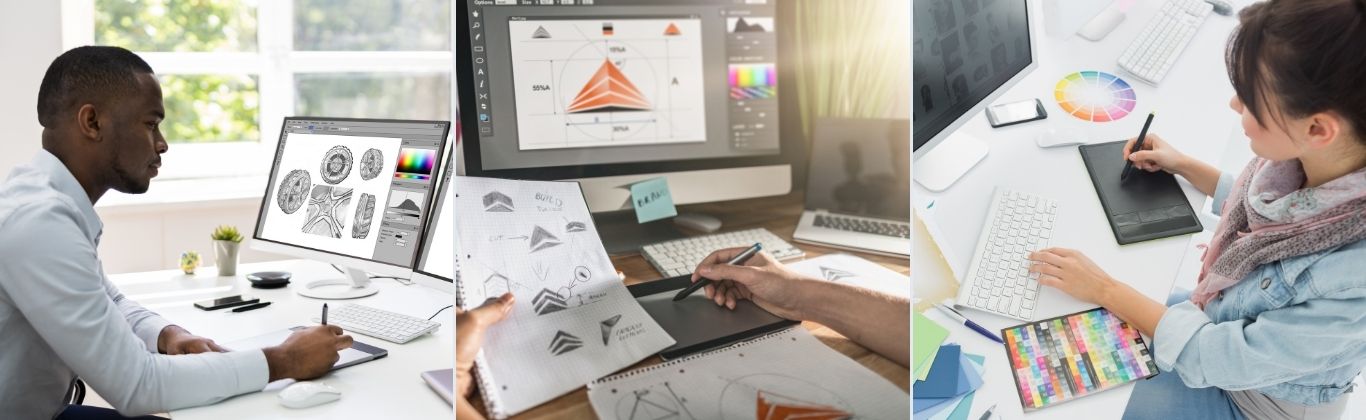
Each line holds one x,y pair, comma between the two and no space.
1075,355
753,81
415,163
1095,96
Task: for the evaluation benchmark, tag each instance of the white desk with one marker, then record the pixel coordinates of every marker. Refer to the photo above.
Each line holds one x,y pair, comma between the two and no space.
386,388
1193,115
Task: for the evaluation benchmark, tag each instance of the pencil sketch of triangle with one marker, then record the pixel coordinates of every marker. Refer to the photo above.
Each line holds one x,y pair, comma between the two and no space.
497,202
540,33
778,407
548,301
608,90
564,343
542,239
835,274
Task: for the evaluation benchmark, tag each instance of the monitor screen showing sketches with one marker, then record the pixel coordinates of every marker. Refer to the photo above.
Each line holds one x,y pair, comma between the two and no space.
963,53
349,190
860,167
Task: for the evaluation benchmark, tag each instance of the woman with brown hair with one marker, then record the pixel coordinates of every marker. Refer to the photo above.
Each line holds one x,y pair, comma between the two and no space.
1276,328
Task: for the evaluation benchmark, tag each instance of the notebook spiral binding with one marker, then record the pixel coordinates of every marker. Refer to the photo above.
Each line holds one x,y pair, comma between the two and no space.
482,375
670,363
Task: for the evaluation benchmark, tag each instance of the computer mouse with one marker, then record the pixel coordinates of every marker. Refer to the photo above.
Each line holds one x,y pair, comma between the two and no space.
1221,7
1060,136
307,394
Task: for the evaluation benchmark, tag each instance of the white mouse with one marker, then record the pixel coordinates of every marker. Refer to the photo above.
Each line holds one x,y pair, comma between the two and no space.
1060,136
1221,7
307,394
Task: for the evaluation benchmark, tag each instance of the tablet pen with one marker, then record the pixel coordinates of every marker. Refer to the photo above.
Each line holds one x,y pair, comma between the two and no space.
1138,145
703,281
324,314
968,322
251,307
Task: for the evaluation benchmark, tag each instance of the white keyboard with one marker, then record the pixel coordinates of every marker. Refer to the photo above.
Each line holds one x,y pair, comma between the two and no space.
998,279
679,257
1155,49
388,326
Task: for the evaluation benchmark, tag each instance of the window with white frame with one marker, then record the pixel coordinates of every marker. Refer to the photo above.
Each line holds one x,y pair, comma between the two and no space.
231,70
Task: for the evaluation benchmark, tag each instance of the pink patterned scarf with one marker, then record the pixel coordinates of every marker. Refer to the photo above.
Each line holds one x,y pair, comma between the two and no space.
1268,217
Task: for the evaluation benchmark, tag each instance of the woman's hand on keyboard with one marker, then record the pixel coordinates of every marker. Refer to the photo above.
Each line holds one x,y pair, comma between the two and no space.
1071,272
762,279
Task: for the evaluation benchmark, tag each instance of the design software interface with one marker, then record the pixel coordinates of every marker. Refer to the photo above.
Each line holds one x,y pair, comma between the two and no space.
612,81
352,187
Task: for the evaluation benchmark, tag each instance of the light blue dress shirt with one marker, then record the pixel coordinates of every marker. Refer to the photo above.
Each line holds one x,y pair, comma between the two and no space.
60,317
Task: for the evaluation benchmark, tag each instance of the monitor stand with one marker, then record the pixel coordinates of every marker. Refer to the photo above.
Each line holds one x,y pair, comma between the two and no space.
356,284
950,160
622,235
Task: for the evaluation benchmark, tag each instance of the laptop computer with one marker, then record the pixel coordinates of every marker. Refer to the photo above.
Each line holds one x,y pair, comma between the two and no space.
858,188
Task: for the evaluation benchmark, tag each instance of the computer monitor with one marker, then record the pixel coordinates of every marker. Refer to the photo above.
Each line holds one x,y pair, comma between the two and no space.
353,193
613,92
435,266
966,54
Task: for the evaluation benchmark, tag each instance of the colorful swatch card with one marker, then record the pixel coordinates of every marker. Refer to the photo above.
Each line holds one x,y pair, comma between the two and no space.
1075,355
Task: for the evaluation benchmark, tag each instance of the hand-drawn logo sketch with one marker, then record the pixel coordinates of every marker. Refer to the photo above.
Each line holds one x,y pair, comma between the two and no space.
327,207
371,163
656,402
775,396
365,213
582,274
607,325
835,274
572,227
293,191
564,343
542,239
548,301
498,202
336,165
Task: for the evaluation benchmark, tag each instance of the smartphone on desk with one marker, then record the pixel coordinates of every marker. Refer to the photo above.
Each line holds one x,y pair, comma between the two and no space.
226,302
1016,112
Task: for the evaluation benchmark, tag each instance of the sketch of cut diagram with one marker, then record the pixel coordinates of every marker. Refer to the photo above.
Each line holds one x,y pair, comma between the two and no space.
293,191
327,209
835,274
365,214
371,163
336,165
498,202
594,83
542,239
656,402
564,342
780,397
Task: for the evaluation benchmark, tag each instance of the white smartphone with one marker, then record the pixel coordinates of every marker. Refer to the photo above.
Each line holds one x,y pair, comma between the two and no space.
1016,112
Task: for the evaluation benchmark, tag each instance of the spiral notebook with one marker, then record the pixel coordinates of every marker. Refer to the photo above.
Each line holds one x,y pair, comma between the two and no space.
573,321
785,375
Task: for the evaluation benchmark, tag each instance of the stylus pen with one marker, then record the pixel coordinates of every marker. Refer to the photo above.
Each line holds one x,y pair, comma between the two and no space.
703,282
1138,145
968,322
324,314
251,307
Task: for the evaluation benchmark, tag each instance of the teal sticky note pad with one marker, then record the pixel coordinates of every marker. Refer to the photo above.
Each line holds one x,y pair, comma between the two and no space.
652,200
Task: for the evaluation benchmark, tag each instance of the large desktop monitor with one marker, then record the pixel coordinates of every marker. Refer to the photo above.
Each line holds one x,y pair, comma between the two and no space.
351,192
612,92
966,54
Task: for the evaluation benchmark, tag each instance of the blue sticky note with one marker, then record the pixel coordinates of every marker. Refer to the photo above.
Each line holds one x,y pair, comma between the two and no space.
943,379
652,200
972,366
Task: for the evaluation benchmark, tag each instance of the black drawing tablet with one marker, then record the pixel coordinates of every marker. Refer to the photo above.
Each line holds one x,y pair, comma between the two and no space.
699,324
1149,206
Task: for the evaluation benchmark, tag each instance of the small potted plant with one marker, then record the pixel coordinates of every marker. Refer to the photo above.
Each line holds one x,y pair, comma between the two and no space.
226,241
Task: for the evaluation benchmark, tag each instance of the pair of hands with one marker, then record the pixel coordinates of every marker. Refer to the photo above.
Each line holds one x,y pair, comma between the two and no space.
306,354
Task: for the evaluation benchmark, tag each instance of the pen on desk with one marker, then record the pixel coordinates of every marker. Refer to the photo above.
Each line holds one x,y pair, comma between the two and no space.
324,314
251,307
1138,145
968,322
987,415
703,281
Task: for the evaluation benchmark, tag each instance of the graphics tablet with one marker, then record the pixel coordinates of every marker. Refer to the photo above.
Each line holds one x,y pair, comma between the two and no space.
698,323
1149,206
357,354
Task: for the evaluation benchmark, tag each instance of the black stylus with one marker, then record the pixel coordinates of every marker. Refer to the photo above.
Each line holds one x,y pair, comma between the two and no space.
1138,145
702,282
251,306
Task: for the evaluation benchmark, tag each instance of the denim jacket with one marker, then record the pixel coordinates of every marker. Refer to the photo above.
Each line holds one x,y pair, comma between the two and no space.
1294,329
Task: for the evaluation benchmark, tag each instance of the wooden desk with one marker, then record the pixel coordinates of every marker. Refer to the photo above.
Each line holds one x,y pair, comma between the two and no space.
779,215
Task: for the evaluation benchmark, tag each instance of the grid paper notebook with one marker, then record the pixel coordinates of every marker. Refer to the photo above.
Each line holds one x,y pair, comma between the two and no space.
573,321
785,375
1071,356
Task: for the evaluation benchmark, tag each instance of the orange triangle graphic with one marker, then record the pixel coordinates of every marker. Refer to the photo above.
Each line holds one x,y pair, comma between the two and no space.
767,410
608,89
672,30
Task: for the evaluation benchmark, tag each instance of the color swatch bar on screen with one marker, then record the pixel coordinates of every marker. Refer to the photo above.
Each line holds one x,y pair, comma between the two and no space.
412,176
416,161
753,75
1075,355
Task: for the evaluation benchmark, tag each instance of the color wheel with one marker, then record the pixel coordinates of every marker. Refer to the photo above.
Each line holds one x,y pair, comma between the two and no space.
1095,96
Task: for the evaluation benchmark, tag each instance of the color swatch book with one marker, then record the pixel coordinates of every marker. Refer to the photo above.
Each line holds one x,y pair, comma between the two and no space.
574,321
948,391
784,375
1060,359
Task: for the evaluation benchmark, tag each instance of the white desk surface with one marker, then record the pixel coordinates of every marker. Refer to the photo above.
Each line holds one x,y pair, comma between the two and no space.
385,388
1193,115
